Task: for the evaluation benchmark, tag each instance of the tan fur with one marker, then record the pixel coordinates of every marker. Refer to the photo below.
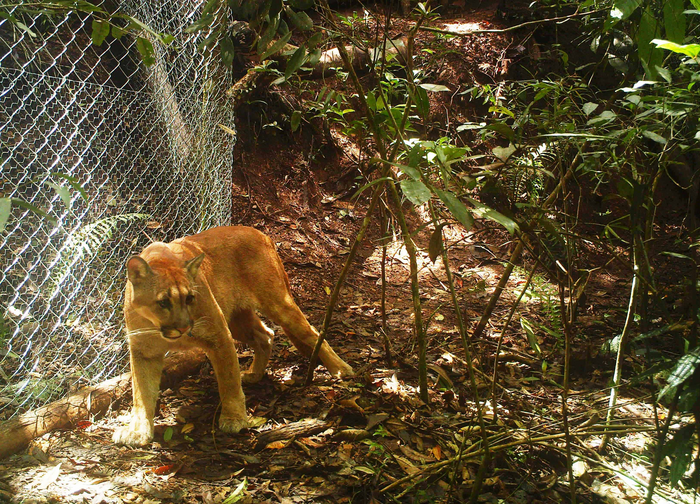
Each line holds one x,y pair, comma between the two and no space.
209,286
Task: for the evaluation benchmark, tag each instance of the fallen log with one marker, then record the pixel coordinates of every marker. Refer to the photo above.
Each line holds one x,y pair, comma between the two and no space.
15,434
302,428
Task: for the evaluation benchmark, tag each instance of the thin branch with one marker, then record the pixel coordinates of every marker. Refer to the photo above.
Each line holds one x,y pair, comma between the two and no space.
558,19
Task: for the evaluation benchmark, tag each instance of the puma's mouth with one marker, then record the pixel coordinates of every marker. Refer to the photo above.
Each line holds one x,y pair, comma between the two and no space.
174,334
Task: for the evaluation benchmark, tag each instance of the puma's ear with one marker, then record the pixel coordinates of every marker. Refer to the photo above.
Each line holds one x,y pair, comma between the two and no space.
138,269
192,266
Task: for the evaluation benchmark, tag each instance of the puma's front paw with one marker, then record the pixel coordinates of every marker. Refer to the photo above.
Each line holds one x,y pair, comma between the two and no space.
133,435
233,425
342,370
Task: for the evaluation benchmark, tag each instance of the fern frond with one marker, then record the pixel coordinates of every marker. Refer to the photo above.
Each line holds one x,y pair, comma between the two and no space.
85,243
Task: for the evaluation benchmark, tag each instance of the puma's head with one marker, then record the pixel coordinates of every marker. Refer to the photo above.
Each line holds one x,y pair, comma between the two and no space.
163,292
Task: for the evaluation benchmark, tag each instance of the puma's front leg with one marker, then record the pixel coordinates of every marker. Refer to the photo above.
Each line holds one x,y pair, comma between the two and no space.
145,382
224,360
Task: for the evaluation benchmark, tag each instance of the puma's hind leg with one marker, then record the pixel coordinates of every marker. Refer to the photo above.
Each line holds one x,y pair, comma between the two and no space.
247,327
288,315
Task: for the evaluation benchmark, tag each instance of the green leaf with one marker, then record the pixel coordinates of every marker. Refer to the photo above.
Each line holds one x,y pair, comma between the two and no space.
100,30
680,450
209,6
531,338
664,73
168,434
295,62
5,209
491,214
33,208
268,35
457,208
145,48
228,51
502,129
412,172
299,19
275,8
436,246
604,117
314,57
416,191
683,370
422,103
650,56
654,136
277,46
117,32
624,8
296,120
435,88
589,108
691,50
19,24
203,22
62,192
504,153
674,20
73,183
237,494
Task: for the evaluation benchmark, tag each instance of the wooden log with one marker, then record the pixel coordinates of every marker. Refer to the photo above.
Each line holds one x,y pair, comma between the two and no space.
302,428
15,434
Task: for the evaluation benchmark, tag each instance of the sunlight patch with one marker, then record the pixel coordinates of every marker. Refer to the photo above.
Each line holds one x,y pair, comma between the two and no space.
462,27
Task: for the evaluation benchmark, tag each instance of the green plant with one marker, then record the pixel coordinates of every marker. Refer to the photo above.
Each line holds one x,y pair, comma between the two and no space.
85,243
103,22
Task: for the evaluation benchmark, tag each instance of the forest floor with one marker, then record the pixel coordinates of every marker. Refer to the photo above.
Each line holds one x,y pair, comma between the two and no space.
355,438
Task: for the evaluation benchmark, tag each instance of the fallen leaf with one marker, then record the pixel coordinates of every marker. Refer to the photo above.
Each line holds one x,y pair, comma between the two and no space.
406,465
278,445
352,403
376,419
352,435
414,455
164,469
188,427
51,476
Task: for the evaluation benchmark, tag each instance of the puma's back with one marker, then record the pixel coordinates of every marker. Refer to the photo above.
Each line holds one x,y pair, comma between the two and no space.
241,266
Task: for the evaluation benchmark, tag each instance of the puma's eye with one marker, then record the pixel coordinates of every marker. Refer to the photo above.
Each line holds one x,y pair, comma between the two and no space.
164,303
189,299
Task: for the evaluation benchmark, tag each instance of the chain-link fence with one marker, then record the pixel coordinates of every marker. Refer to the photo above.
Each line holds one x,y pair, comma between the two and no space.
144,144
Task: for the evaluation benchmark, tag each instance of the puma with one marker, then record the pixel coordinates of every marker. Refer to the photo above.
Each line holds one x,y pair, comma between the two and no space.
204,291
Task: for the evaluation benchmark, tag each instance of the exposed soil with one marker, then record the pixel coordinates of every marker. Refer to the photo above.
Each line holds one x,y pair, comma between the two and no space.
372,430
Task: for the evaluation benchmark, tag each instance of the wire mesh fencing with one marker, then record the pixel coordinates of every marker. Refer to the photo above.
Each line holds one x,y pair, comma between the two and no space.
144,144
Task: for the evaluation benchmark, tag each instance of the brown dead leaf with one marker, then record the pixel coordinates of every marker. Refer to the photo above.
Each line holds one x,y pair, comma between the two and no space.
164,469
373,420
414,455
352,403
310,442
437,452
406,465
278,445
352,435
50,477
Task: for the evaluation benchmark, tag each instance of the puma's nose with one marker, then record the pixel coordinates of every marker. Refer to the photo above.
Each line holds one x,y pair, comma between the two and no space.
183,330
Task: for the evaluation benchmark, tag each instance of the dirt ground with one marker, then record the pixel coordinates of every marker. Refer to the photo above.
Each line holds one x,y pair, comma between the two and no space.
355,438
